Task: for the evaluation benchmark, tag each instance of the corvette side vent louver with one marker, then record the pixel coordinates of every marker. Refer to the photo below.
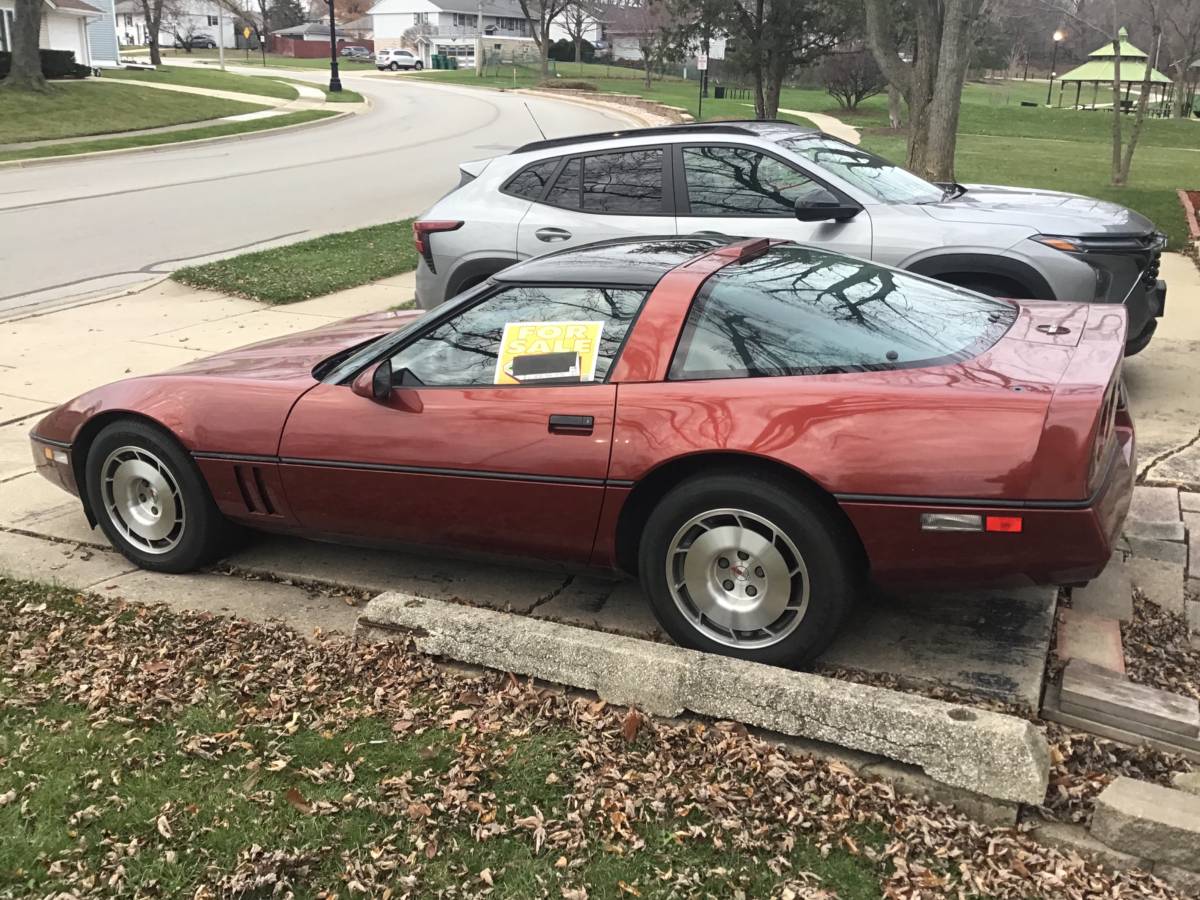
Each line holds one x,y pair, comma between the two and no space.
254,490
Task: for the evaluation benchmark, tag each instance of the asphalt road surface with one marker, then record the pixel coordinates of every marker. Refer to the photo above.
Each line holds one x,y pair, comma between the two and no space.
73,229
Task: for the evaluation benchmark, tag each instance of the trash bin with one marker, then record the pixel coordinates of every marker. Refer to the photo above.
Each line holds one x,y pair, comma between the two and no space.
719,92
453,62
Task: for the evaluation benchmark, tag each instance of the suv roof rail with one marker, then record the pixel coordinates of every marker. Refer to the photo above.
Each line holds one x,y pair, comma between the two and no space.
685,128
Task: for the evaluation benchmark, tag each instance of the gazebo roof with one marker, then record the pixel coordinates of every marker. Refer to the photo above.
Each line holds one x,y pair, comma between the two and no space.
1102,70
1128,51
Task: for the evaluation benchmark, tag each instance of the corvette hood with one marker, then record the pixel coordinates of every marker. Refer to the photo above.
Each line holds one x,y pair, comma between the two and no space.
1048,212
295,355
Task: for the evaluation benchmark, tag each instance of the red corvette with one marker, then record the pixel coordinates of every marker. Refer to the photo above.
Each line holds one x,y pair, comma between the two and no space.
754,428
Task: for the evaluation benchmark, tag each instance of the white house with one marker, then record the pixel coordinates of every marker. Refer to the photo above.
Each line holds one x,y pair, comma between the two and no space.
448,27
185,19
64,27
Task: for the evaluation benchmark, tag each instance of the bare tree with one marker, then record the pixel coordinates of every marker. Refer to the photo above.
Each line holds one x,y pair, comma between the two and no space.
1182,27
25,70
773,37
851,76
542,14
577,20
152,14
932,82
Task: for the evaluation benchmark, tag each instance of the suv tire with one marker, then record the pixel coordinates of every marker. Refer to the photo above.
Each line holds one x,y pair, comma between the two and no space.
732,549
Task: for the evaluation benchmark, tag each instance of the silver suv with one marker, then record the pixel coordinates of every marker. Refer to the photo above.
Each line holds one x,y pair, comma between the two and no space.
779,180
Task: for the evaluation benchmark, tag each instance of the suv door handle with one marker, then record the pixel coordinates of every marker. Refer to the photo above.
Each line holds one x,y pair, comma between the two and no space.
552,234
571,424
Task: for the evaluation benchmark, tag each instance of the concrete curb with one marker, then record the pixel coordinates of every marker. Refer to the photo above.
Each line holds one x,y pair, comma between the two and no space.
159,148
629,104
988,753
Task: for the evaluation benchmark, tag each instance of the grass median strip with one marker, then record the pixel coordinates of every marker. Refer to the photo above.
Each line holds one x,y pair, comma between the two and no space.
78,109
207,78
147,752
310,268
167,137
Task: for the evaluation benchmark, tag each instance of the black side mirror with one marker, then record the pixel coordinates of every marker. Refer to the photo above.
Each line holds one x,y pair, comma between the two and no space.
825,210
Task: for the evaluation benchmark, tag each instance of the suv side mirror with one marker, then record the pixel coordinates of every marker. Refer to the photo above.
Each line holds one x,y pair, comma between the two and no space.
374,384
825,210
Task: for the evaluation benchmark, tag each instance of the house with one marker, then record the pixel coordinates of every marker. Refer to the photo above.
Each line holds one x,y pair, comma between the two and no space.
447,27
180,21
311,40
64,27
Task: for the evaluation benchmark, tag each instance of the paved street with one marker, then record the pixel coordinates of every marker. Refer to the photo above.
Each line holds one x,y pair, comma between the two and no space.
127,217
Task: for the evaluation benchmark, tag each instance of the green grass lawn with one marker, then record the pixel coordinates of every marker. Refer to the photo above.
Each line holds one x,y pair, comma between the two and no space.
1000,141
310,268
206,78
85,108
169,137
146,753
255,58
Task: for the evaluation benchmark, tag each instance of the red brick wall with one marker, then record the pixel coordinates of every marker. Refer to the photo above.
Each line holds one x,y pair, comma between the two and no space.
312,49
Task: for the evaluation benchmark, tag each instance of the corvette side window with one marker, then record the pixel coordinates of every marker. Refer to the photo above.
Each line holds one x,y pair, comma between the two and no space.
801,311
525,335
739,181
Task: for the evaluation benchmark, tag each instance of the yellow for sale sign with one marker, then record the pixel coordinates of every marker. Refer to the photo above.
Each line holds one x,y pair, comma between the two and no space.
548,352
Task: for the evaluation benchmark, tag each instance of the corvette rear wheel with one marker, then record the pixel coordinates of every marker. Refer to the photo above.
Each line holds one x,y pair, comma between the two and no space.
150,500
746,567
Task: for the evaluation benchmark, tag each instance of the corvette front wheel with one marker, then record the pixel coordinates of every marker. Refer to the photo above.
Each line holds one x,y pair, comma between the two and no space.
150,500
745,566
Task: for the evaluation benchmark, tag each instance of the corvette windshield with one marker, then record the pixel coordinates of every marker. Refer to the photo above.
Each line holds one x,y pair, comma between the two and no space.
873,174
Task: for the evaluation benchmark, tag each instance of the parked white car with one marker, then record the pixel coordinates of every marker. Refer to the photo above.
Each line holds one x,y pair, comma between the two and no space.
395,59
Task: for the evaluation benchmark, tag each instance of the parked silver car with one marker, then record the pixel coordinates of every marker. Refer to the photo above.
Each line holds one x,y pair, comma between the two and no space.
776,179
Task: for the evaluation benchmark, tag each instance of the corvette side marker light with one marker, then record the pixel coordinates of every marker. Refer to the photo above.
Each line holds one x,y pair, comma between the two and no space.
951,522
1010,524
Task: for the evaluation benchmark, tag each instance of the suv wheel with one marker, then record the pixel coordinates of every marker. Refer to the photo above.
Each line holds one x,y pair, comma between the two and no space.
742,565
395,66
418,65
150,499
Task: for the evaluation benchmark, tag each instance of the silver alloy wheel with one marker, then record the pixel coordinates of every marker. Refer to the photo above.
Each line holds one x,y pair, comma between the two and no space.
737,578
142,499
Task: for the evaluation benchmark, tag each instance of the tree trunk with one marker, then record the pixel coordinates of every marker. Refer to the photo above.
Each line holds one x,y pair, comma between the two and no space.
1116,126
152,14
947,90
1140,115
894,114
25,73
776,70
760,100
579,50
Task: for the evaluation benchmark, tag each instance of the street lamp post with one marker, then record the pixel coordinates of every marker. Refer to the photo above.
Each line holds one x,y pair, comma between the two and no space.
335,82
1058,36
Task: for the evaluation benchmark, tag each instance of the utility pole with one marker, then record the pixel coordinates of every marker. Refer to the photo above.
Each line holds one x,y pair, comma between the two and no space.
221,33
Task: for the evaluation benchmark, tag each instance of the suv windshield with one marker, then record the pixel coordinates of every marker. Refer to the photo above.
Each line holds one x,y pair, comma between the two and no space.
870,173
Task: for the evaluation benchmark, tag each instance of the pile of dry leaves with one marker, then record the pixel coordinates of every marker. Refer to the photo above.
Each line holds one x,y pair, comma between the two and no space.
624,776
1158,649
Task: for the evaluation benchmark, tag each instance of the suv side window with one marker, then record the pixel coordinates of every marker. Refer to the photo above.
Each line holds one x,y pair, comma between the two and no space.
525,335
740,181
530,182
625,182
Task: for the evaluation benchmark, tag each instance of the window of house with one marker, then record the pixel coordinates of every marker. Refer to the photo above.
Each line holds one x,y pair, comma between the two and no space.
739,181
213,20
802,311
465,350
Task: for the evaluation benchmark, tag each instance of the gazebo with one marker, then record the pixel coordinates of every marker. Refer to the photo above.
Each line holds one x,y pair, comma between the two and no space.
1098,70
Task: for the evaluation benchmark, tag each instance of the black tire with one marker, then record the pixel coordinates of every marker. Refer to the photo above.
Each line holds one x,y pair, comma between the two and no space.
395,66
418,65
812,525
203,531
1136,345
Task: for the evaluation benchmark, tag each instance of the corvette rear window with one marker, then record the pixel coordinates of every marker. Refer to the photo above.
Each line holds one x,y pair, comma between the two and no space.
800,311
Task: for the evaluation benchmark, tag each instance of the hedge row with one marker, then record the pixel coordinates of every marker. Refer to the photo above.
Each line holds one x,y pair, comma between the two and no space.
55,64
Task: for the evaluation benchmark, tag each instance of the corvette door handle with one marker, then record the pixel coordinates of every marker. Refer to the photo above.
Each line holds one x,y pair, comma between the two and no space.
552,234
571,424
